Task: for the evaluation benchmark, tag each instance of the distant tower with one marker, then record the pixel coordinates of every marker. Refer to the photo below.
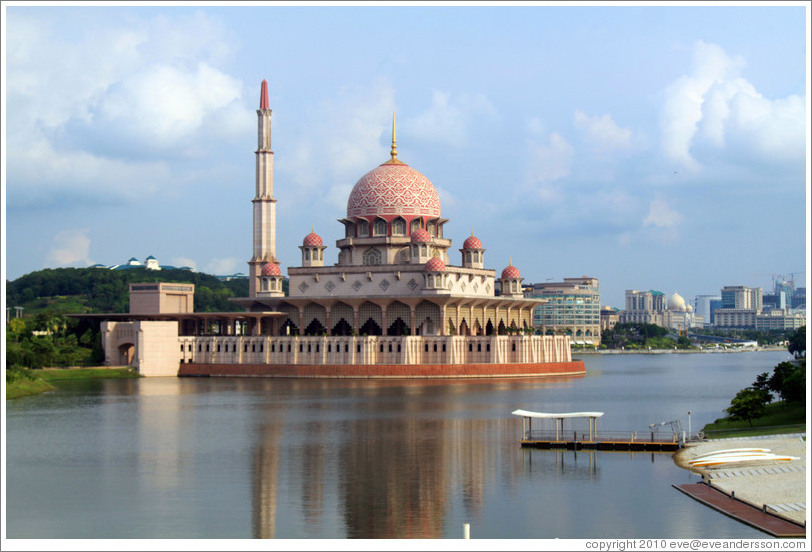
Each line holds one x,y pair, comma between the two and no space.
264,202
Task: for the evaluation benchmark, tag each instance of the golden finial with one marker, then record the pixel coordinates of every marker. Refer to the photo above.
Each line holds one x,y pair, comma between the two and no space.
394,151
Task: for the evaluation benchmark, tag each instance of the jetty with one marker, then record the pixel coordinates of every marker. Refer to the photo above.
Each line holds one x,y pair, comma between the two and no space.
730,506
574,439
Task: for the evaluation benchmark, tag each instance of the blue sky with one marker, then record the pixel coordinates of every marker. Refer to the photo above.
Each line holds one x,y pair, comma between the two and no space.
652,147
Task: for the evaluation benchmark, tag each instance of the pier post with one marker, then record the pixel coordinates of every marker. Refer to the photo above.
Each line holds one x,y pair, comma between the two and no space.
466,530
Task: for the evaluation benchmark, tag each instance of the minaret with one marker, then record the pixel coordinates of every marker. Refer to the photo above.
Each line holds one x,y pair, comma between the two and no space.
264,202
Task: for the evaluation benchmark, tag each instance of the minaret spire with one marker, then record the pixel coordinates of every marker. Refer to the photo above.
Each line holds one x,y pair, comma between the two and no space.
263,95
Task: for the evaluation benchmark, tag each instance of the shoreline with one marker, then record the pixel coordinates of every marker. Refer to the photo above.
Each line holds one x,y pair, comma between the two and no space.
771,486
677,351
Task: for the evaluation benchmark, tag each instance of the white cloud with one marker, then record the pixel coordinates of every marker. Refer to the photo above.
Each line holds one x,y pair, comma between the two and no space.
713,110
660,215
552,160
343,138
170,103
602,133
102,114
184,261
447,119
70,248
222,266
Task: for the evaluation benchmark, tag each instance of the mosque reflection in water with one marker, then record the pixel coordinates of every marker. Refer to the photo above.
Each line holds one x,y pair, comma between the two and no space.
387,465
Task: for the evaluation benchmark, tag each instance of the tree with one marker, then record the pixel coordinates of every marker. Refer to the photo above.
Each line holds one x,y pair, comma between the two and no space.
797,342
748,403
789,381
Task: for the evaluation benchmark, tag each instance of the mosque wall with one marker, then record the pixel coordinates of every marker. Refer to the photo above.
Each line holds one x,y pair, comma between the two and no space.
372,350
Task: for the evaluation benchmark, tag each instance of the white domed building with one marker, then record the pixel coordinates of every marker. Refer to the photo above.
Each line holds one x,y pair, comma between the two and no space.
679,315
393,305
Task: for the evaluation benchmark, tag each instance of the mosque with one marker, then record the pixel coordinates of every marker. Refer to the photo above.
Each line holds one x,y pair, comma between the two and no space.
393,305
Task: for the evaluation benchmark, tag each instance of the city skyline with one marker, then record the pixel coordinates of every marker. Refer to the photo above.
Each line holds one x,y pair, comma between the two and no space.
648,147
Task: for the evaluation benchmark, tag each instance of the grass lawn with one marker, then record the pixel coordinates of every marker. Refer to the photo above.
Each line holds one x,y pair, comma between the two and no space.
72,374
780,418
34,382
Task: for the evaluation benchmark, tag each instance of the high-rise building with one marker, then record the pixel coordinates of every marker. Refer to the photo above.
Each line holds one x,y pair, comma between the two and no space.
740,306
571,307
644,307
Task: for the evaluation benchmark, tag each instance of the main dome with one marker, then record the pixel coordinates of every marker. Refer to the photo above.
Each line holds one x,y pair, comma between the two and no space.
393,189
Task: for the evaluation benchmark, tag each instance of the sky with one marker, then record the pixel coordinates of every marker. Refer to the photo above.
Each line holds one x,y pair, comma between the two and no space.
650,146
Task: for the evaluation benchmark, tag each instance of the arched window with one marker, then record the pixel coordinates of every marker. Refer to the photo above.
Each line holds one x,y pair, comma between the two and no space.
379,229
349,230
372,257
307,254
398,227
363,229
431,227
416,223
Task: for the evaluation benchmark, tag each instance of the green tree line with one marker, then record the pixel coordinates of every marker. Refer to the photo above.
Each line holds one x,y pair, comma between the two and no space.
99,290
634,335
45,337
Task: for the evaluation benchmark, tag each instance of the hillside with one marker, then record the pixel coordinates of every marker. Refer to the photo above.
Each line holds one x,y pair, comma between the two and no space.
99,290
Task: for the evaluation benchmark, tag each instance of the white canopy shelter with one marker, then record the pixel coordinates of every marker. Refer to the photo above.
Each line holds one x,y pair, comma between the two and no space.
559,420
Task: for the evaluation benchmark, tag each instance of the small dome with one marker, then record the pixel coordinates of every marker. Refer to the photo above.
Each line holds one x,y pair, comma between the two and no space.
511,272
421,236
271,269
676,302
435,264
689,308
472,243
312,240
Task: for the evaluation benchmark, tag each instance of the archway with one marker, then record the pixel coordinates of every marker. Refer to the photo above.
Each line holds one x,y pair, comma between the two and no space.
398,327
315,328
370,327
398,316
288,328
342,328
489,328
126,352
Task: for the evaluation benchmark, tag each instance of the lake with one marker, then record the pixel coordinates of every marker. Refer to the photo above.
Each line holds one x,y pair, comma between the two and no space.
210,458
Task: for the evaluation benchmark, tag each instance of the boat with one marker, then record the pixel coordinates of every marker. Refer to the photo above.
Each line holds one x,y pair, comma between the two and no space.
740,458
729,452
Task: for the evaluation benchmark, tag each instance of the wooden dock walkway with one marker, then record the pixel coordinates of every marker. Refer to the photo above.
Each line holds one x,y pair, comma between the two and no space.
604,444
560,438
741,511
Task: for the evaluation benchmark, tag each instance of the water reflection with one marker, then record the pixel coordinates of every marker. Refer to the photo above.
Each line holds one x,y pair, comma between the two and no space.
390,451
237,458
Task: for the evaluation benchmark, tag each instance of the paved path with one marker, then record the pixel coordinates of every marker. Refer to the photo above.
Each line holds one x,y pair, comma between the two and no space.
742,511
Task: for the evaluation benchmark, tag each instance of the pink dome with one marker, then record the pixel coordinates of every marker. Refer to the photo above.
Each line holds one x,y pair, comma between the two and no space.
393,189
472,243
435,264
312,240
511,272
271,269
421,236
